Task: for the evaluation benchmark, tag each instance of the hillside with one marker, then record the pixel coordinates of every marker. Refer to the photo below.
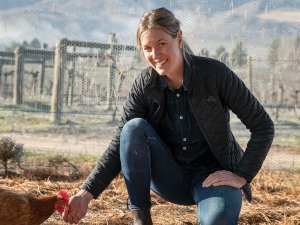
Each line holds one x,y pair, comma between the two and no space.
206,24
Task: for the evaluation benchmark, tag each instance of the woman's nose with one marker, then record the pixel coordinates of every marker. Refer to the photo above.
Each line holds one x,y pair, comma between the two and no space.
156,54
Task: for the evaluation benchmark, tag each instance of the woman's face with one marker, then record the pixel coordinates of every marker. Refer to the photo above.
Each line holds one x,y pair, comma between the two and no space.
162,51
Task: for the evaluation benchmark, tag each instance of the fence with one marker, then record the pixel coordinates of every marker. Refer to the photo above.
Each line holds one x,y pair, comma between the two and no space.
66,99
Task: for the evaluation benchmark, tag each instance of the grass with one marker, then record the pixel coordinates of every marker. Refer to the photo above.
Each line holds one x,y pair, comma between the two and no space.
36,121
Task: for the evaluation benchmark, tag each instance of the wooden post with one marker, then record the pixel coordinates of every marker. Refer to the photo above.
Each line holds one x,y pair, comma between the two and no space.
5,85
1,76
73,76
250,73
18,79
280,103
58,81
82,86
42,70
111,73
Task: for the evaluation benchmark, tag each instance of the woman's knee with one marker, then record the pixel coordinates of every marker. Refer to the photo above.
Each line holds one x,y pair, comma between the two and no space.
133,139
133,125
218,205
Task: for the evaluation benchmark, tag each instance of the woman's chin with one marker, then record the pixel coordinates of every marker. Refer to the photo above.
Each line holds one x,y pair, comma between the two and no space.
161,72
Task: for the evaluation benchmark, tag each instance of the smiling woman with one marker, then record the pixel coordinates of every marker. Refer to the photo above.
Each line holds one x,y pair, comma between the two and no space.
174,135
162,51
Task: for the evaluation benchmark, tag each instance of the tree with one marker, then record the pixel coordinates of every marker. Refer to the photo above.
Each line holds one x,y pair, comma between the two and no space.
221,54
239,54
35,43
274,50
12,47
204,52
25,44
296,51
10,150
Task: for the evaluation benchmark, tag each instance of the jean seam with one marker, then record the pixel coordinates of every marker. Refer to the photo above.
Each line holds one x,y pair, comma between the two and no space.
153,138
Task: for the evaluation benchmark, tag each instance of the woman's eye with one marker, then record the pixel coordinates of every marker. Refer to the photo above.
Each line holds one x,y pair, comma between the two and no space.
161,44
146,48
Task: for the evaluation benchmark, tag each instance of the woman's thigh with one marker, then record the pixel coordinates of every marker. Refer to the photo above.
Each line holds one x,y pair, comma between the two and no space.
167,178
217,205
140,144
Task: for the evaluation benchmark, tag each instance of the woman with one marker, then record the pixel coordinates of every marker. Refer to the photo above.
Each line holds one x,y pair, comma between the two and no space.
174,134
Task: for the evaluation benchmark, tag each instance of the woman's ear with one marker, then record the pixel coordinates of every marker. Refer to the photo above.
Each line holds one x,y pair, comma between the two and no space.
179,38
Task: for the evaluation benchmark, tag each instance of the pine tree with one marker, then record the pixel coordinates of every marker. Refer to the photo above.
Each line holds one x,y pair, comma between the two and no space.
221,54
274,51
239,55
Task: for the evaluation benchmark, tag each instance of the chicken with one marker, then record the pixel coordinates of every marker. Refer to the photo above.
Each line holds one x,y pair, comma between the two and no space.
24,209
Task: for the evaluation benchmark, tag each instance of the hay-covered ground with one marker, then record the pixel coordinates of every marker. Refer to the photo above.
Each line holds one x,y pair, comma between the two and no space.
276,200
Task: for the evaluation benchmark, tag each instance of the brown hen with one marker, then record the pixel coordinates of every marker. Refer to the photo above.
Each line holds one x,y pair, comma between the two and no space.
24,209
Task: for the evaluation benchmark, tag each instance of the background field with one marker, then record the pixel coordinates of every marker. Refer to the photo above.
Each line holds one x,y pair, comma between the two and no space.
258,39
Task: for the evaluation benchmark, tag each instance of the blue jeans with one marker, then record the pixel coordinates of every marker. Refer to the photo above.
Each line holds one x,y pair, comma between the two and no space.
148,163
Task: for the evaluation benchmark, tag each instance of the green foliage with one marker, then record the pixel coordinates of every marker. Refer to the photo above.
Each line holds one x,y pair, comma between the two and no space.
38,105
221,54
35,43
204,52
12,47
10,150
274,51
239,54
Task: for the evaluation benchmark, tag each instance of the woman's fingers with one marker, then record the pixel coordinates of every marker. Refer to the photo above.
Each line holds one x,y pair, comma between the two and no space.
65,215
71,217
223,177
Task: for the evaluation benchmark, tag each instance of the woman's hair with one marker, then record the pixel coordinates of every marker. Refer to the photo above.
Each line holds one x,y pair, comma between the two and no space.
164,19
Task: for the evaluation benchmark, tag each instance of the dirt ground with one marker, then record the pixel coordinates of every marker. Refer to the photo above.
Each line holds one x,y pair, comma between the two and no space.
276,200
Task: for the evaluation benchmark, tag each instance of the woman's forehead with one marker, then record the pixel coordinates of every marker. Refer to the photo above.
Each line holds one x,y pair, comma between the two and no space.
154,34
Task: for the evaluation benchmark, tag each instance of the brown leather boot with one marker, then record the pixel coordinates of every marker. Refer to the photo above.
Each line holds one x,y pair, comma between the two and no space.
141,217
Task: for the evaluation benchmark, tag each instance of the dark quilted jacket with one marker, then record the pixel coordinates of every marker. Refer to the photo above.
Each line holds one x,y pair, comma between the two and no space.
216,90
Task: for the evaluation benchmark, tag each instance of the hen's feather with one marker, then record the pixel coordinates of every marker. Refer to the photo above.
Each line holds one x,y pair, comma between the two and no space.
24,209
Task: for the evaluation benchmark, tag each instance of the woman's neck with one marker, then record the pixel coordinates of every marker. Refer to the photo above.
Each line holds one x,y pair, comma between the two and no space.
175,80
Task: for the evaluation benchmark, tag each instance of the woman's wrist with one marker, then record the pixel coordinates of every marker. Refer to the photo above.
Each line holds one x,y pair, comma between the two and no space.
85,194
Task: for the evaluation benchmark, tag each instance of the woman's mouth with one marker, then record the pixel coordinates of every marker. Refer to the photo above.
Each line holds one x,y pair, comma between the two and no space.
159,63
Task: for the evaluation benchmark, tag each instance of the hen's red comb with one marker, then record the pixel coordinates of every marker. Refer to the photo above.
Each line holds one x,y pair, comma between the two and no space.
64,194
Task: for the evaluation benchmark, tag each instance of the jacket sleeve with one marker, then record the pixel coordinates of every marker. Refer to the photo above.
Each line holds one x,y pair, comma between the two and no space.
109,165
241,101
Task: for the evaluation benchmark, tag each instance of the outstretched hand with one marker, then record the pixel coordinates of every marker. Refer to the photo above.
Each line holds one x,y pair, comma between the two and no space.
224,177
78,206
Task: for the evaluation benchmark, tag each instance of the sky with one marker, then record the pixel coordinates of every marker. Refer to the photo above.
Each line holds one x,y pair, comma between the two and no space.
205,23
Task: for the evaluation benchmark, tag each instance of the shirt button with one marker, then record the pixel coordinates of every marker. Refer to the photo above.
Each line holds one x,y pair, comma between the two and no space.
181,117
184,148
184,139
178,95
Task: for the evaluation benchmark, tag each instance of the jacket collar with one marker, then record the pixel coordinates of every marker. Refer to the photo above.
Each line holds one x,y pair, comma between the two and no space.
187,77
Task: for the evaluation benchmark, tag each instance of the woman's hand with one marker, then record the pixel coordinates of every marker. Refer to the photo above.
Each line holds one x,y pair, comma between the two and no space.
224,177
78,206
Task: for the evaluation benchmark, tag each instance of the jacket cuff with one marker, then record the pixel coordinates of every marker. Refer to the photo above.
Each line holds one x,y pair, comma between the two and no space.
243,175
91,187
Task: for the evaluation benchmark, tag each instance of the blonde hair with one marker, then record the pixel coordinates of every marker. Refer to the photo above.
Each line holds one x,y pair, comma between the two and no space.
164,19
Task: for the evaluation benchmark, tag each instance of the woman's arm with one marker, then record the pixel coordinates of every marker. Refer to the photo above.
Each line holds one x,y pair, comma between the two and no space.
109,164
241,101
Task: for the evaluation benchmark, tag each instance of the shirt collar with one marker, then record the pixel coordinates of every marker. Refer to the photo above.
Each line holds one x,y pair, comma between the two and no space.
187,77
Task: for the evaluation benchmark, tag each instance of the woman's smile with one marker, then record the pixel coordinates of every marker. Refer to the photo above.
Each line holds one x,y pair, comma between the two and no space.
160,63
163,52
